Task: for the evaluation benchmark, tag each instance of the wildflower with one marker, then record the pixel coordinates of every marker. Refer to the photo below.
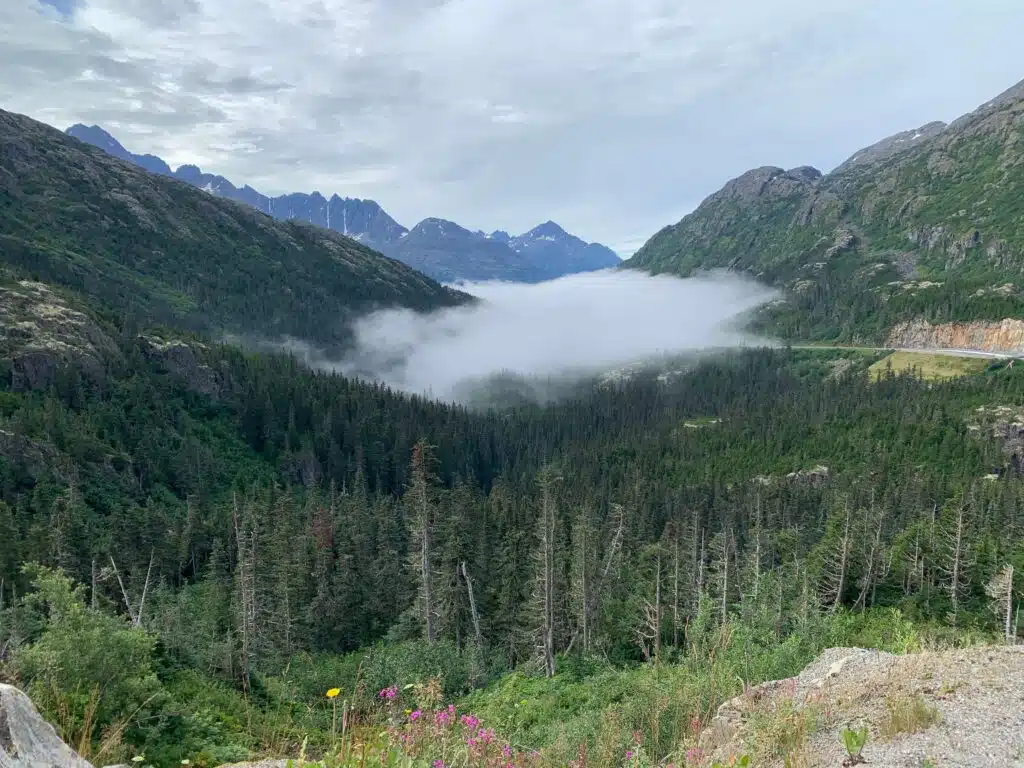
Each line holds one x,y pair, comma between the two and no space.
388,693
470,721
506,751
439,764
333,692
414,716
629,754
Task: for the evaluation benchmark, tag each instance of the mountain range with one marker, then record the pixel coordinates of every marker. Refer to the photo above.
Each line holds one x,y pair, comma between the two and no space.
913,235
440,249
145,246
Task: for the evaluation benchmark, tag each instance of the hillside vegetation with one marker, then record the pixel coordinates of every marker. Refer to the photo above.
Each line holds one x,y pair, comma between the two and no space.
210,555
927,225
158,250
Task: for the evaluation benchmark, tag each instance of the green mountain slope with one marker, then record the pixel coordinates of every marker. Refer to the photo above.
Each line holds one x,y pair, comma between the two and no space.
927,225
157,249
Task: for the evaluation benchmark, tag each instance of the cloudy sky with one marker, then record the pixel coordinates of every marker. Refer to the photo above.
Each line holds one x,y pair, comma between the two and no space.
612,117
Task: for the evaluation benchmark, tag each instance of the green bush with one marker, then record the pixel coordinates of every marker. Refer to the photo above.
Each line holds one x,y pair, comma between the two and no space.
88,672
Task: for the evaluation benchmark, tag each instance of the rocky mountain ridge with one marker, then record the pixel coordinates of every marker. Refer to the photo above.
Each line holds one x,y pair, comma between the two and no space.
926,223
449,253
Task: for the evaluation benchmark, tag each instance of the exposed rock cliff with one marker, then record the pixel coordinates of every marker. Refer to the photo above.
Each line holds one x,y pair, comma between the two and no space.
28,741
1006,336
40,332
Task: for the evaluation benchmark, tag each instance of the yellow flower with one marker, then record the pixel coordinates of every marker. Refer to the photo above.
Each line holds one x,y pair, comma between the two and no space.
333,693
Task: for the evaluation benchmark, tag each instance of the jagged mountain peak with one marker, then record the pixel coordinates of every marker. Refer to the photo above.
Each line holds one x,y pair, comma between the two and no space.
438,247
547,229
93,134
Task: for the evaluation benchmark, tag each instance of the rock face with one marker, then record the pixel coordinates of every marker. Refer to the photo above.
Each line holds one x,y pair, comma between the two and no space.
178,358
939,201
1005,337
893,145
28,741
40,332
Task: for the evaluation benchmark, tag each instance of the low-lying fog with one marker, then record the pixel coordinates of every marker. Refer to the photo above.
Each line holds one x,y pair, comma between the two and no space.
576,326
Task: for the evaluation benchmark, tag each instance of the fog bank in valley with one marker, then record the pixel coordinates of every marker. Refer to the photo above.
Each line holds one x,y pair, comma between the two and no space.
577,325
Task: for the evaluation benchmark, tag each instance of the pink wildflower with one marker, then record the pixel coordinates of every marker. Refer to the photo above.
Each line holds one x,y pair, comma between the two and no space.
629,754
506,751
470,721
414,716
439,764
388,693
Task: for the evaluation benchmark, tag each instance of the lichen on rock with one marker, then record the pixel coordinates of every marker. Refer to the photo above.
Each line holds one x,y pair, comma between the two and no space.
40,332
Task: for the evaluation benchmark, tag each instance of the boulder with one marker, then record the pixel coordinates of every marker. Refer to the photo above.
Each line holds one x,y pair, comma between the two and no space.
28,741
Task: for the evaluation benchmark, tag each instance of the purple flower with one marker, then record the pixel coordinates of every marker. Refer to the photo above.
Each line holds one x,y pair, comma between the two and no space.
388,693
414,716
439,764
629,754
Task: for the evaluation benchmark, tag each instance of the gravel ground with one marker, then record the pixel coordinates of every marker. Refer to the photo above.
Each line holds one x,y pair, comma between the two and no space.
978,693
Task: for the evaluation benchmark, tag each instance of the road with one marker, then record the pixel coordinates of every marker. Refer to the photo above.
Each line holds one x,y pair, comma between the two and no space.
950,352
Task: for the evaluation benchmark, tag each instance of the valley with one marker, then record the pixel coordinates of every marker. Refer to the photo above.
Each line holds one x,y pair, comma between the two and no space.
277,494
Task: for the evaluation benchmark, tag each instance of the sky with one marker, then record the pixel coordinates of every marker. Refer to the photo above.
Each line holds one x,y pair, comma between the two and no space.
612,117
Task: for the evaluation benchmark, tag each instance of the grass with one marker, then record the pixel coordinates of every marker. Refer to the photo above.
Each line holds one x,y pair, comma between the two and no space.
907,714
931,367
782,731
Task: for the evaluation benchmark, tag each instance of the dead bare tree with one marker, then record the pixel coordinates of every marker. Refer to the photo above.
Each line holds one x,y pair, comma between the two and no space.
836,563
135,614
875,560
594,588
955,564
418,495
1000,591
648,628
245,575
472,606
546,575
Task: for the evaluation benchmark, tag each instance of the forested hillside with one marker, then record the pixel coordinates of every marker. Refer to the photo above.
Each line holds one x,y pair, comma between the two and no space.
210,554
268,512
924,226
158,250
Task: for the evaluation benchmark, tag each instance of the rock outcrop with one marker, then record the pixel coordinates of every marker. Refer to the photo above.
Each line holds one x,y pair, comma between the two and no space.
28,741
179,359
973,696
1004,337
40,332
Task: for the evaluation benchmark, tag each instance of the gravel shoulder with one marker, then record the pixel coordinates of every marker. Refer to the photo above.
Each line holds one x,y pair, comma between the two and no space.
973,699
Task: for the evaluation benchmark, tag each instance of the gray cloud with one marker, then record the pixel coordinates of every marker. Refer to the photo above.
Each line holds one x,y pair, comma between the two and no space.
613,117
573,326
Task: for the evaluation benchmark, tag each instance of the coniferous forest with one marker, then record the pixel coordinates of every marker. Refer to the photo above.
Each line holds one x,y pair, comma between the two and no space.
287,531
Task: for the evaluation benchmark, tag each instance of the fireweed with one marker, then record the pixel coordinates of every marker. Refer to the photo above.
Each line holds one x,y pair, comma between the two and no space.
444,739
